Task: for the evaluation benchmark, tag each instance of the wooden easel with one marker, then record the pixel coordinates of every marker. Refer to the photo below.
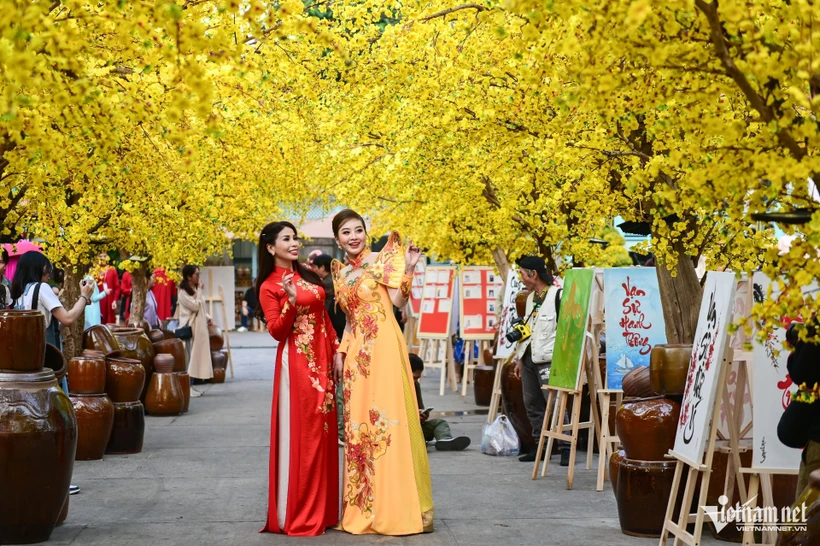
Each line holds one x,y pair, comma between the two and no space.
607,440
678,526
211,299
470,362
495,400
554,427
434,347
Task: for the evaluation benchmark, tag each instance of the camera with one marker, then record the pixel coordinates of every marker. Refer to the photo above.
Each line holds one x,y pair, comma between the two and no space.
519,331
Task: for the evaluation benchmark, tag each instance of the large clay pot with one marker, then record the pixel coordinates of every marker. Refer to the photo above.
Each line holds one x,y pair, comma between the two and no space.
521,302
811,534
18,330
164,395
38,438
128,431
219,375
55,361
512,396
86,374
636,384
483,384
643,495
219,361
175,347
100,338
668,367
647,427
124,379
184,381
63,512
164,363
135,344
614,464
95,418
156,335
216,338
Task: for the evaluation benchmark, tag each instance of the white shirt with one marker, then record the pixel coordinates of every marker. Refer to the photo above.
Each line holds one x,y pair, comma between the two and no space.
47,301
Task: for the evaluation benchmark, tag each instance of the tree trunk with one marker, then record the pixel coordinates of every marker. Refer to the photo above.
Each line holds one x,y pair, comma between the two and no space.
72,335
680,295
501,262
138,295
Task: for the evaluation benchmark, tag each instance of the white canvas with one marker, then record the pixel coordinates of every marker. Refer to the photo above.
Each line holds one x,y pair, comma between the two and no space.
771,393
514,285
711,340
222,276
445,305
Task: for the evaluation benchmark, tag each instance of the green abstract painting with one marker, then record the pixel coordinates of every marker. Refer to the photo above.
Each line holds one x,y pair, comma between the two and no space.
572,321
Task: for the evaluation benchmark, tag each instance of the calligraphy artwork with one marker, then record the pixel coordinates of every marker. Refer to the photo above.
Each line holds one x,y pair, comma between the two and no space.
772,388
570,336
711,340
508,314
634,320
738,341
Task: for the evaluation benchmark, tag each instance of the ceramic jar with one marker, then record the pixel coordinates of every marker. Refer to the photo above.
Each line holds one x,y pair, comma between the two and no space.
128,431
668,367
217,340
156,335
164,363
643,495
95,418
614,464
219,361
100,338
175,347
164,395
647,427
38,439
22,329
184,381
135,344
55,361
636,384
483,384
811,534
512,398
63,512
124,379
86,374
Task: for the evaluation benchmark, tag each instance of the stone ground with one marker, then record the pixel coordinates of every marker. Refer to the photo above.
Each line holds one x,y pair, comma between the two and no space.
201,479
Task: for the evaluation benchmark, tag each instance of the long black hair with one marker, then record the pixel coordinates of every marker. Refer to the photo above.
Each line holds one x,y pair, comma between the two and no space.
187,272
266,262
31,268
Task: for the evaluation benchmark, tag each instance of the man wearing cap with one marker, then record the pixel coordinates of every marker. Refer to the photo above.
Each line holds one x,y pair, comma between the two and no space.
533,355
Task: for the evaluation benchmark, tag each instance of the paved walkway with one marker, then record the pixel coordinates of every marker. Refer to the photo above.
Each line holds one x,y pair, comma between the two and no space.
202,480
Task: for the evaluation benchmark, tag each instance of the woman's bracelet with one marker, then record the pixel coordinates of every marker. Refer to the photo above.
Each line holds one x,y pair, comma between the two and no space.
86,298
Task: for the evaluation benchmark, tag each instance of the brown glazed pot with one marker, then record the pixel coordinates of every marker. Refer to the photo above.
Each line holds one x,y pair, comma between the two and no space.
184,381
216,338
95,418
93,352
86,374
668,367
128,431
483,384
22,329
38,438
55,361
643,495
164,363
175,347
63,512
100,338
614,464
512,398
219,375
647,427
135,344
219,362
164,395
636,383
811,534
156,335
124,379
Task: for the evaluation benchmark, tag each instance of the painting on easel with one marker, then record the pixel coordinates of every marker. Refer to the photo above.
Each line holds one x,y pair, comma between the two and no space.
634,320
572,327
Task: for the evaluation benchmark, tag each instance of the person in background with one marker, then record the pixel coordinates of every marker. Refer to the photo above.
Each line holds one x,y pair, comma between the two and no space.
164,291
4,260
93,317
191,311
434,429
109,282
311,259
249,305
126,286
150,314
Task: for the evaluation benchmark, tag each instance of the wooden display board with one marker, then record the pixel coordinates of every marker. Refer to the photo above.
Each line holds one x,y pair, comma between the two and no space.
437,302
479,291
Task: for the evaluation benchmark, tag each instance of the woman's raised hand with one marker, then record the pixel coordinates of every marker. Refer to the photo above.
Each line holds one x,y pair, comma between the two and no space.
290,288
411,257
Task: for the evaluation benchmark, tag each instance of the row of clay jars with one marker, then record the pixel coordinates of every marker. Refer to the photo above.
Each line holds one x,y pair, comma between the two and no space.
93,408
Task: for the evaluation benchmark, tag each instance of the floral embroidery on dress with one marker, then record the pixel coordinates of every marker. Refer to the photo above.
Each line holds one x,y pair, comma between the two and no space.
304,327
366,442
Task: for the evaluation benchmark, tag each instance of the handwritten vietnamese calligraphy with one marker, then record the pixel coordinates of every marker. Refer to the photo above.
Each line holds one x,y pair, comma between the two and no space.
633,320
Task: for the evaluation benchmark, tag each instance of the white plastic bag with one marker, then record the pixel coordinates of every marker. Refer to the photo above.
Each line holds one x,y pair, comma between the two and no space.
499,438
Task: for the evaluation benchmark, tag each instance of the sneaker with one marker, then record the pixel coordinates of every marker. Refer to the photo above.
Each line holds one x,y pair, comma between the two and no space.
565,457
195,393
530,457
452,444
73,489
241,329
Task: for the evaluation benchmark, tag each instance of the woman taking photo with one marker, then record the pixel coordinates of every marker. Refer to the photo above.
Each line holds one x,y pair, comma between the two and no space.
191,311
386,486
303,492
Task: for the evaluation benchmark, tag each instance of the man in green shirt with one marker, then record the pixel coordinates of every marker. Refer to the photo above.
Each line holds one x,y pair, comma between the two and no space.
437,429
